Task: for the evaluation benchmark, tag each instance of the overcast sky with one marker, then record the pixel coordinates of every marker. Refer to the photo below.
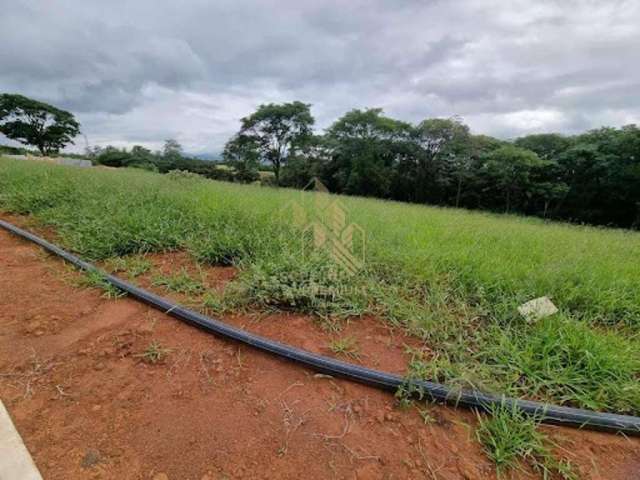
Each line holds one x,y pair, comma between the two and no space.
138,72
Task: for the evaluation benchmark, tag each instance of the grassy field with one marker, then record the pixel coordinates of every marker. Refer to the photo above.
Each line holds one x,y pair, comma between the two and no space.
454,278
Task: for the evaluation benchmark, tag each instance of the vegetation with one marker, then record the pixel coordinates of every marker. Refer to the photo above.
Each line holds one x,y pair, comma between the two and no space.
180,282
95,279
589,178
154,353
133,266
170,160
510,438
272,134
345,346
452,277
36,123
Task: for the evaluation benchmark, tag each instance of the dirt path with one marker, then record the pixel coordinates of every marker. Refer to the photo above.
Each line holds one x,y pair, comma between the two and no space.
88,406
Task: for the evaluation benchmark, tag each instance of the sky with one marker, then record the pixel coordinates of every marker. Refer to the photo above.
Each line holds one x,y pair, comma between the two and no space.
140,72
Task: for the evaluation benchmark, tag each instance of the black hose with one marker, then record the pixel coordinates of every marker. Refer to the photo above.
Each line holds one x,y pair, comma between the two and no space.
572,417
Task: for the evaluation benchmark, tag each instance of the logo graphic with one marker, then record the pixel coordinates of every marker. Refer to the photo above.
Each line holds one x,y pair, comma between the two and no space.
323,220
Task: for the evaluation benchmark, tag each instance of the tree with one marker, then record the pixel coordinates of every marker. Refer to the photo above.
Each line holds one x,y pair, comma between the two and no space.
309,163
36,123
444,157
172,150
113,157
242,153
365,146
141,157
511,168
546,145
276,131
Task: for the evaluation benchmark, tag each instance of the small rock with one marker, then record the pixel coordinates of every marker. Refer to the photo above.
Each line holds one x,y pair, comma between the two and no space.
161,476
91,458
99,366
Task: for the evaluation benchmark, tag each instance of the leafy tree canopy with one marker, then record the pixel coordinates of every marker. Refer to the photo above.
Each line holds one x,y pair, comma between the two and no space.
36,123
275,131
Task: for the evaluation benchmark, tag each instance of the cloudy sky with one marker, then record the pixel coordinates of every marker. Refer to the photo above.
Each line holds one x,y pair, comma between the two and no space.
138,72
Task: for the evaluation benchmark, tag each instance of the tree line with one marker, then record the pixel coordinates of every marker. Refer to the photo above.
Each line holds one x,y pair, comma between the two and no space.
593,177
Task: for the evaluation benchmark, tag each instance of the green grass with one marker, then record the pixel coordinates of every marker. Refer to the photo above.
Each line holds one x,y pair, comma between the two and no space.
154,353
452,277
512,440
94,279
180,282
345,346
133,266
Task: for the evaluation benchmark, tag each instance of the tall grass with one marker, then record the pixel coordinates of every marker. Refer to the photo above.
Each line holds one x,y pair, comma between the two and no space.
452,277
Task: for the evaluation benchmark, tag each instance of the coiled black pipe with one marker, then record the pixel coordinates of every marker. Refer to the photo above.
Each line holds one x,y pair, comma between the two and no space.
572,417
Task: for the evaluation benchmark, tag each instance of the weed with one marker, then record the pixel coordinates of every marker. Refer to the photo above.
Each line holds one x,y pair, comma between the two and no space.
345,346
220,303
133,266
180,282
96,279
509,438
303,283
565,360
154,353
426,416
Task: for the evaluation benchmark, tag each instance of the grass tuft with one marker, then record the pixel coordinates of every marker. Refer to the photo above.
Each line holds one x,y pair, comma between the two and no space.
95,279
180,282
133,266
345,346
511,439
154,353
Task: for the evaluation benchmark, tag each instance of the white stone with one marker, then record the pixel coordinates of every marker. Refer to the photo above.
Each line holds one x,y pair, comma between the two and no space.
537,308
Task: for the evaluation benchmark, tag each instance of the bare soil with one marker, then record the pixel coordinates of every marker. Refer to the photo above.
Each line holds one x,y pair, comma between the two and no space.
88,405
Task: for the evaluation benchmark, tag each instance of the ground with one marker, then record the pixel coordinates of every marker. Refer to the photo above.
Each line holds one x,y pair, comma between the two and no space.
88,405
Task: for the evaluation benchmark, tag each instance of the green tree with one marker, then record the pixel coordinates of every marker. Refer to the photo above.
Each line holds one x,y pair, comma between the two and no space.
547,146
142,157
242,153
111,156
307,164
172,150
512,169
277,131
365,147
444,159
36,123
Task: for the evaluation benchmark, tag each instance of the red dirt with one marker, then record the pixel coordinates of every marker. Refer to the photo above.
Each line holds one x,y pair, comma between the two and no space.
88,406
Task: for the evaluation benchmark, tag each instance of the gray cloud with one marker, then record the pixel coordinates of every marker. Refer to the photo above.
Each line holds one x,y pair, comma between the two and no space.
140,72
